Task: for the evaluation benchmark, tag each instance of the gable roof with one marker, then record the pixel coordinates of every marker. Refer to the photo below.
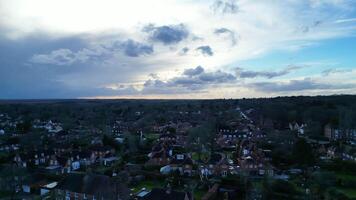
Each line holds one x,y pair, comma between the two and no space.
92,184
162,194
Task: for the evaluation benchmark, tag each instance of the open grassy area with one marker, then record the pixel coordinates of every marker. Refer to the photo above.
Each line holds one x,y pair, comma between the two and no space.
351,193
198,194
195,156
152,136
345,176
203,156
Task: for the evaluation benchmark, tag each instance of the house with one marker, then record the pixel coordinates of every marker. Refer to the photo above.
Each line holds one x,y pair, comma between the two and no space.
45,189
35,157
161,154
50,126
257,134
60,147
183,127
211,166
37,184
334,133
100,151
167,137
296,127
85,157
9,147
91,186
119,128
165,194
228,138
183,163
21,160
349,153
71,162
109,161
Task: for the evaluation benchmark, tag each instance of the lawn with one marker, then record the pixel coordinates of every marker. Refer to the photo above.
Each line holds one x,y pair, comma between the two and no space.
203,156
351,193
152,136
198,194
195,156
345,176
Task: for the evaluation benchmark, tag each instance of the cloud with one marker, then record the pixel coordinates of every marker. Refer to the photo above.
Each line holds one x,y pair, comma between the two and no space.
168,34
205,50
226,33
225,6
328,72
349,20
310,27
113,46
153,75
135,49
129,47
192,79
267,74
184,51
56,57
217,77
194,71
298,85
195,78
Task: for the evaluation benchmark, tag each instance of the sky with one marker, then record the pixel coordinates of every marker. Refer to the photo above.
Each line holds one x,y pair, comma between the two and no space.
176,49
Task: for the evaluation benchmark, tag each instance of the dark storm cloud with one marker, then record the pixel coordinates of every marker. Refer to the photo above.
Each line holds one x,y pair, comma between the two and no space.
225,6
297,85
168,34
205,50
267,74
226,33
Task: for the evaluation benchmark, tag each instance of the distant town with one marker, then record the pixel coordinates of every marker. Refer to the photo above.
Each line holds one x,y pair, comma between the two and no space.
224,149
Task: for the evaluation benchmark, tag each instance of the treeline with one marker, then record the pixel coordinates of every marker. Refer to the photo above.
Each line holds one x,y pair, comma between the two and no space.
338,111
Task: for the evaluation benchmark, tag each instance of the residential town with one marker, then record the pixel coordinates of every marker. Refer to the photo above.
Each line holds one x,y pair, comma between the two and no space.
181,150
